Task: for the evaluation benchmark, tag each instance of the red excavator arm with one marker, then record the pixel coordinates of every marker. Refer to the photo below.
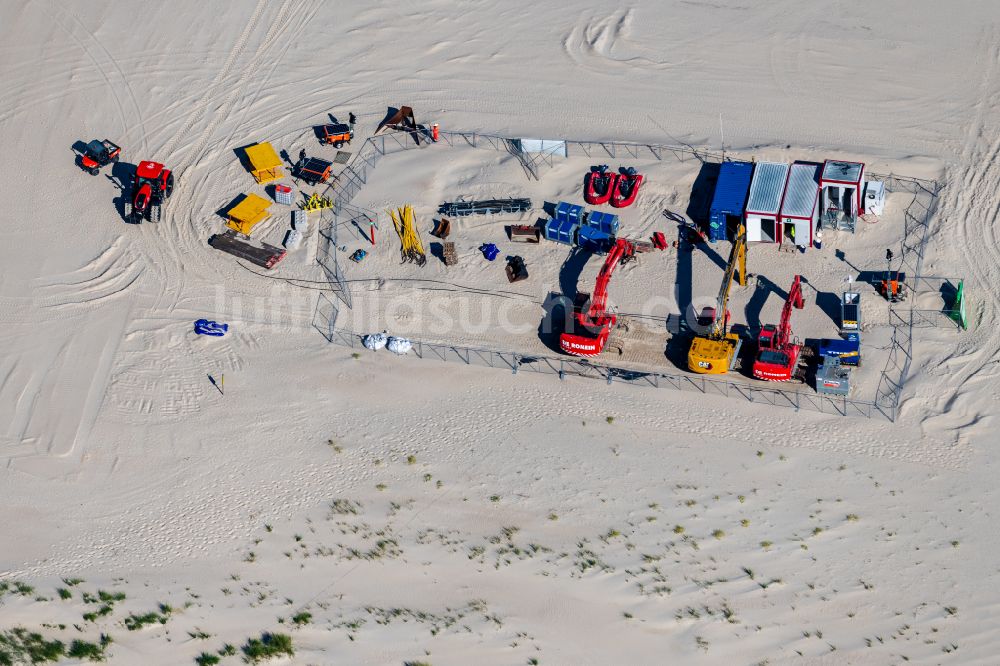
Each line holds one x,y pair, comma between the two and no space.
599,299
777,355
594,323
785,327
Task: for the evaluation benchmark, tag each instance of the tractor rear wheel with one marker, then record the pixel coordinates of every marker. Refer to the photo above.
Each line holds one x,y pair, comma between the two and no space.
169,189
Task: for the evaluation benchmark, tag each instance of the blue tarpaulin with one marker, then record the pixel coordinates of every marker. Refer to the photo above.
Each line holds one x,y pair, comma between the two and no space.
490,251
213,328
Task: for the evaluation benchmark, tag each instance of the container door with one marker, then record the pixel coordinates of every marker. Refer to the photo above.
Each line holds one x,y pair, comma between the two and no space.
768,230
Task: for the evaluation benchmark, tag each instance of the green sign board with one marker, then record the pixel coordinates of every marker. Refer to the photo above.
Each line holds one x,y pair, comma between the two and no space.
958,309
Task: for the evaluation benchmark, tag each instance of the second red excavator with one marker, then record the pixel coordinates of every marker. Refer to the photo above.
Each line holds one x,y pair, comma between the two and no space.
592,323
778,353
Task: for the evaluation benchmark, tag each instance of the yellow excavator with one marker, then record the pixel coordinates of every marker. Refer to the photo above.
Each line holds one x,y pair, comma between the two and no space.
716,352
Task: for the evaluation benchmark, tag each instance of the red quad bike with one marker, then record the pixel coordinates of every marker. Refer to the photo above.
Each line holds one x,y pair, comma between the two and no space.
98,154
598,185
626,188
151,187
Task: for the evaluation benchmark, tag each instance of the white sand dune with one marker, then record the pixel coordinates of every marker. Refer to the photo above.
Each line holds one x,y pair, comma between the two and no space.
404,510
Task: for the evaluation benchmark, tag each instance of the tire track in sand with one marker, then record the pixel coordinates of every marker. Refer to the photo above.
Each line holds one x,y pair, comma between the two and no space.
970,207
97,65
277,29
201,106
121,74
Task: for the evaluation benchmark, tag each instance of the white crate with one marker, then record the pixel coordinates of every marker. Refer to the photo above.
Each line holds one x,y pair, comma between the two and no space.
283,197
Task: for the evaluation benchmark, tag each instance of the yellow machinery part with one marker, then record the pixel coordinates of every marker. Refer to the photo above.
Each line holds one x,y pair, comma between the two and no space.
405,223
712,357
316,202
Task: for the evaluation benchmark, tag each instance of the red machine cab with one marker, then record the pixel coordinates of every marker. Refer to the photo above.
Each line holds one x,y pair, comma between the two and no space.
152,186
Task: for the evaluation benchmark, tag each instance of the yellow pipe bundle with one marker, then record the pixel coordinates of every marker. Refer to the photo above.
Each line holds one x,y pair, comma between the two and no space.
406,228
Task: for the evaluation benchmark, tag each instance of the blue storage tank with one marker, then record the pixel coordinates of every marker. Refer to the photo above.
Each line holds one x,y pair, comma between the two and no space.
606,222
560,231
593,239
566,211
730,197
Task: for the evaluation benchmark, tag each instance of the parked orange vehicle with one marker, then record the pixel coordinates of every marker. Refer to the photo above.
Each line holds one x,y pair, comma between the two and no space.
98,154
336,134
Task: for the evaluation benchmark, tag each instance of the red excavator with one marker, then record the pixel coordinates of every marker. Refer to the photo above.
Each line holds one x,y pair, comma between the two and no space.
778,354
592,323
151,187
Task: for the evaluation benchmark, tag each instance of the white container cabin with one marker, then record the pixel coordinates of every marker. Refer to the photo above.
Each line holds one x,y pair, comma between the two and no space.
841,186
764,202
799,216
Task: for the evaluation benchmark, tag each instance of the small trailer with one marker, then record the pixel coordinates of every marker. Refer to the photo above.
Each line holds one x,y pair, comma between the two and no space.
265,257
336,134
314,170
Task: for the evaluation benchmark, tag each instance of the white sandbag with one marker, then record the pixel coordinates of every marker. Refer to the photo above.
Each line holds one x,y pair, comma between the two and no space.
399,345
293,239
374,341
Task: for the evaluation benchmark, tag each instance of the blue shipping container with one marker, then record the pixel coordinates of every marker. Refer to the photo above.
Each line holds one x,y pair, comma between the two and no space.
566,211
730,197
561,231
606,222
593,239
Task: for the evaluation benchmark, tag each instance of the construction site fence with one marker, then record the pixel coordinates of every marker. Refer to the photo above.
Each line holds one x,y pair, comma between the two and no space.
346,185
515,362
916,226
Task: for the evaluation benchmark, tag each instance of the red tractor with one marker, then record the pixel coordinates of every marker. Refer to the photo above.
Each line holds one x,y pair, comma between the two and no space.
151,187
98,154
